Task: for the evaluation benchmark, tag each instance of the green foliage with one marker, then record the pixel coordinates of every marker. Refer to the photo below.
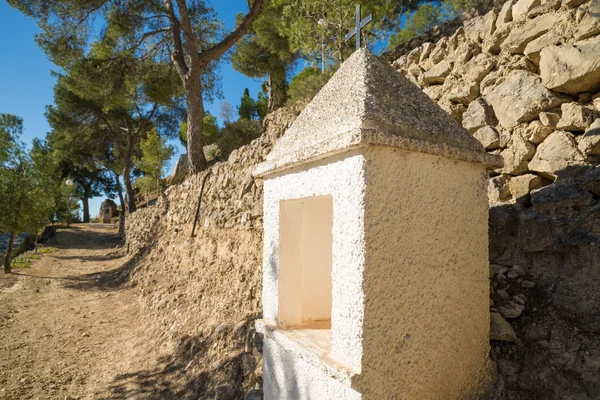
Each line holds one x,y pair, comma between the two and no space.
50,195
133,39
317,28
212,152
14,175
25,260
145,183
29,181
109,28
307,84
155,155
210,128
265,53
262,105
419,22
247,108
67,205
11,128
103,109
46,249
236,134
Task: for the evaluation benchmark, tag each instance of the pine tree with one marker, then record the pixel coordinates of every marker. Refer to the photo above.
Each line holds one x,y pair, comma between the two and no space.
187,34
155,154
247,107
317,28
29,184
265,53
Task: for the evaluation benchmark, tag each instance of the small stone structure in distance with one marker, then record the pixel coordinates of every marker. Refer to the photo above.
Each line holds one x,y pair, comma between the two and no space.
375,268
108,209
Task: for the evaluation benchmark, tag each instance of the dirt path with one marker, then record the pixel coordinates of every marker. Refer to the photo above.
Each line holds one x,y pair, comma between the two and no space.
69,325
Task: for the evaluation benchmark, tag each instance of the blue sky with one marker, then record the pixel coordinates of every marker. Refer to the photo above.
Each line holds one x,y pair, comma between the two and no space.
26,83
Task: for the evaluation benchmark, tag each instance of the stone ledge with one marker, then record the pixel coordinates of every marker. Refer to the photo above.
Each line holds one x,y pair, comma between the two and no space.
303,345
373,136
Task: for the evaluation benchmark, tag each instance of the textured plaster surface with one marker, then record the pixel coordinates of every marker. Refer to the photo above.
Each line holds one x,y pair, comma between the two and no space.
410,277
289,377
312,344
426,316
343,179
368,102
410,303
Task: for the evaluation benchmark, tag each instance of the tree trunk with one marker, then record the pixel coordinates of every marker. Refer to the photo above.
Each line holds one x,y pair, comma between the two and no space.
195,115
85,199
8,255
341,52
128,186
122,201
35,242
278,89
271,97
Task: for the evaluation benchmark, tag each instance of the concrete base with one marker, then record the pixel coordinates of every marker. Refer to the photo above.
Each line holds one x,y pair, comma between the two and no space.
297,366
287,377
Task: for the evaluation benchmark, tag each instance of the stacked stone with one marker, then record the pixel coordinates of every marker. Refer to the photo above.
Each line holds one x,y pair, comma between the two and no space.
524,81
140,229
232,198
508,287
441,30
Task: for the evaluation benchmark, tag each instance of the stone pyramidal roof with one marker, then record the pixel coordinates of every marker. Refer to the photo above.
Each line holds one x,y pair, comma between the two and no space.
367,102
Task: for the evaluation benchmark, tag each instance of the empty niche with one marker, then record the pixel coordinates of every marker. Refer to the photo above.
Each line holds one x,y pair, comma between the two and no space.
305,260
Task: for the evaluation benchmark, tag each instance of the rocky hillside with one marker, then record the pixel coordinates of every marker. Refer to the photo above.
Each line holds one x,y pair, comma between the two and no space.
203,293
524,79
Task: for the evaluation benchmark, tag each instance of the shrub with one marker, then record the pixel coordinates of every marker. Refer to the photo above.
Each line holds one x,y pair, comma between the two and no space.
24,260
237,134
307,84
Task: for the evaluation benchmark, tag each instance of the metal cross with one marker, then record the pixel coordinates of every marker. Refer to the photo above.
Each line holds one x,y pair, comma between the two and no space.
359,25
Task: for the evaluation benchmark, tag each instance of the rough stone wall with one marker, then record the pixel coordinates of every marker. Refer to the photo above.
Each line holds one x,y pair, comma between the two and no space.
441,30
524,79
205,291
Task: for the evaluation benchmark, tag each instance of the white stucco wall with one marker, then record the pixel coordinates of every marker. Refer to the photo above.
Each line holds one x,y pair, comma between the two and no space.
410,315
343,179
288,377
426,317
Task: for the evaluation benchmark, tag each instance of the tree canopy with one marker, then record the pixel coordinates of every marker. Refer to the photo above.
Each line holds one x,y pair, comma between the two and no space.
155,155
317,28
30,184
420,21
185,33
265,52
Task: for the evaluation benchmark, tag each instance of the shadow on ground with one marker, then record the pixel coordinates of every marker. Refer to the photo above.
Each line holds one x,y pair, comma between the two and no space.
7,280
100,258
112,280
105,281
72,238
191,372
